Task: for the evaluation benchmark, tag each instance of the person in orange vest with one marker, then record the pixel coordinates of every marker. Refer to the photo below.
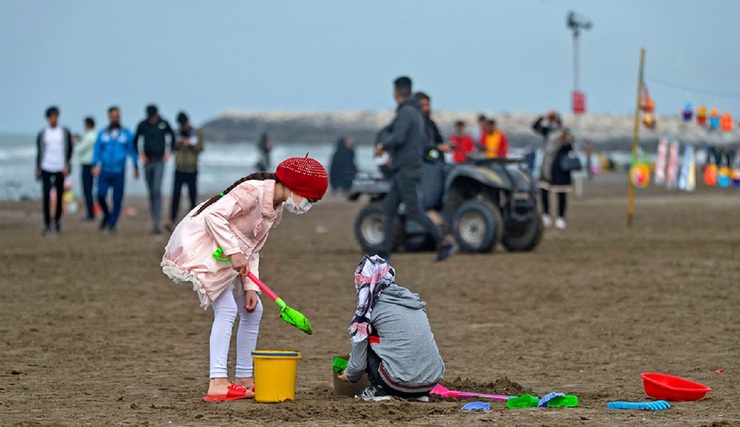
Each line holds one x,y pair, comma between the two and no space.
496,144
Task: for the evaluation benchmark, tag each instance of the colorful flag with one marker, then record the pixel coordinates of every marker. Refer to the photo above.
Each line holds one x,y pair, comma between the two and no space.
660,161
671,180
687,179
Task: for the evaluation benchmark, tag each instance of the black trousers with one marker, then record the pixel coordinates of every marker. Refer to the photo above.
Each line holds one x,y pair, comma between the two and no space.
405,188
87,190
562,202
49,180
183,178
376,378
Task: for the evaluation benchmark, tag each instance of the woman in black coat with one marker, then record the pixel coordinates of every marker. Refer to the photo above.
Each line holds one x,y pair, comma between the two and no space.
558,144
342,170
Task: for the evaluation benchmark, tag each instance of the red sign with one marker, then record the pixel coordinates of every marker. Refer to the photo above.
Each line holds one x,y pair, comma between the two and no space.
579,102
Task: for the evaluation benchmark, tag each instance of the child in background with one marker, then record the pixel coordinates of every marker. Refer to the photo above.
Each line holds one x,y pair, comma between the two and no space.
391,338
238,221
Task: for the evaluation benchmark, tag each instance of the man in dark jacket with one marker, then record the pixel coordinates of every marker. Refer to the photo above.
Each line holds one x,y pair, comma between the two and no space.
404,141
188,147
154,130
435,146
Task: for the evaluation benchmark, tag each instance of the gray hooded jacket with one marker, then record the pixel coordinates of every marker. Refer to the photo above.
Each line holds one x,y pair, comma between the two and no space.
404,139
409,354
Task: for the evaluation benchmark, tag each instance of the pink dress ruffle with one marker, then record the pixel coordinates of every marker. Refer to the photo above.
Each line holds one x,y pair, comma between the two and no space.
239,221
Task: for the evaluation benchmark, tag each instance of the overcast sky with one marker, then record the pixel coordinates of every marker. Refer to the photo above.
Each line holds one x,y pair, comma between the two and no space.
206,57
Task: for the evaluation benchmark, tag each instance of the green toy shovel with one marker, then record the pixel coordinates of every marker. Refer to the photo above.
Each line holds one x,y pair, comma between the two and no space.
289,315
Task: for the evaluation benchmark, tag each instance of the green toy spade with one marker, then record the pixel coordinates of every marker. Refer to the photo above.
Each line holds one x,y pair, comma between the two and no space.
288,314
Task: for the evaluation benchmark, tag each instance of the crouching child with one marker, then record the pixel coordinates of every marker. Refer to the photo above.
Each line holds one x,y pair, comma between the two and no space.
391,338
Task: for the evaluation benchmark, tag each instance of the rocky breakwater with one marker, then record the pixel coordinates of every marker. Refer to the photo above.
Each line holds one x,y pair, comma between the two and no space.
606,132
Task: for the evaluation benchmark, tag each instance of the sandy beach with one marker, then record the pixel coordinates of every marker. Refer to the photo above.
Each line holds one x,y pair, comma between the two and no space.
94,334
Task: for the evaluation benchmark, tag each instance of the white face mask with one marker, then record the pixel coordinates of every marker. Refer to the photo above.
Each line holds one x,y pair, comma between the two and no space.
300,209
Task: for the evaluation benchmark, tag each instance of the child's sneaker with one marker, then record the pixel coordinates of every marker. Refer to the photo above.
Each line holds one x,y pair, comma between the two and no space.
417,399
373,393
546,220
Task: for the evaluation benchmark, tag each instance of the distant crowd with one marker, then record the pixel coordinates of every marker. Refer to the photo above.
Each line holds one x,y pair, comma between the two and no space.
103,156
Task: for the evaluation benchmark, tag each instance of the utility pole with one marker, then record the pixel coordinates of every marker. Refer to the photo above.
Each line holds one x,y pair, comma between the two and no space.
635,138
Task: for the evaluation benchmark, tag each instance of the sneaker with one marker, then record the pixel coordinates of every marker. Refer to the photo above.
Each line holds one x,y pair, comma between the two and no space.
445,251
417,399
373,393
560,223
104,223
546,220
58,228
47,231
155,230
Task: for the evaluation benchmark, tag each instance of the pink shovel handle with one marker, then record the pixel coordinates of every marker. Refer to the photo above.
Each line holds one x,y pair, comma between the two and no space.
466,395
262,286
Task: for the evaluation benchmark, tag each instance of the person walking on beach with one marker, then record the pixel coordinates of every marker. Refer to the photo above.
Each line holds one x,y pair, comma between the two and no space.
391,338
238,221
461,143
480,137
84,150
112,146
155,130
343,169
435,146
189,144
404,141
558,143
53,154
264,145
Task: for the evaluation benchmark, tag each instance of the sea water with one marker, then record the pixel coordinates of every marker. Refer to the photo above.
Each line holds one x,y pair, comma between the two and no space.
220,164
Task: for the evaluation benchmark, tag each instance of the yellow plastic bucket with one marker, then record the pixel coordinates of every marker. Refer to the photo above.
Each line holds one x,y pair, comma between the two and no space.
274,375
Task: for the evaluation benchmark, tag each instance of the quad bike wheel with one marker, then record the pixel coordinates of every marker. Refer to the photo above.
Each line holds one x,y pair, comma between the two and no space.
369,229
477,226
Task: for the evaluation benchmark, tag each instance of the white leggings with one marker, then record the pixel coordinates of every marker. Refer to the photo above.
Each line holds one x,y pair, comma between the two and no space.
225,309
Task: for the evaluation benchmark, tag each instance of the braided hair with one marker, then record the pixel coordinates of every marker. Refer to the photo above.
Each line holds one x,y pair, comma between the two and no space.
259,176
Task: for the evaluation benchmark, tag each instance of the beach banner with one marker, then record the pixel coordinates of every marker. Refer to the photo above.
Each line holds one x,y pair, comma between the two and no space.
671,180
687,179
691,175
660,161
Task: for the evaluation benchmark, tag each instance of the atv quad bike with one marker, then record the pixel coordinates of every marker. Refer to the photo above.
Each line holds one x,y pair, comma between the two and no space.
482,203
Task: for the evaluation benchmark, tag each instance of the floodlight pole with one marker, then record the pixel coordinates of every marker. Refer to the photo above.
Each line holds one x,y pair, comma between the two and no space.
635,137
576,116
576,33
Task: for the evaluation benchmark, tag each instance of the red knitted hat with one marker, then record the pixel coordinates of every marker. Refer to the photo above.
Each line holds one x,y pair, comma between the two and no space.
303,176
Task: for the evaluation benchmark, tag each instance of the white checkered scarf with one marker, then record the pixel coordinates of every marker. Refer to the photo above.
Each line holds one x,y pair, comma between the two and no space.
372,276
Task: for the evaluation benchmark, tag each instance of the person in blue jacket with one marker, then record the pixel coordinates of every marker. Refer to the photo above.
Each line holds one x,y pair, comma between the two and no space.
112,146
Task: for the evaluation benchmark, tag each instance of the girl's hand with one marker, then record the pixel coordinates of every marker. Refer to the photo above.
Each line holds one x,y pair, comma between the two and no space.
239,263
343,377
252,301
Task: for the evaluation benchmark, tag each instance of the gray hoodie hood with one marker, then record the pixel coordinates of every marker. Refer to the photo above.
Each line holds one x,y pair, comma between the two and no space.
399,295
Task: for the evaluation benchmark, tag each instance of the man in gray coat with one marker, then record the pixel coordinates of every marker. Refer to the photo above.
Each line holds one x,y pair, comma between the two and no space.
391,338
404,141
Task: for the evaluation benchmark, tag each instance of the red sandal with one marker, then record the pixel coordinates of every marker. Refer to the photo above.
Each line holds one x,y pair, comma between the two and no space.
235,392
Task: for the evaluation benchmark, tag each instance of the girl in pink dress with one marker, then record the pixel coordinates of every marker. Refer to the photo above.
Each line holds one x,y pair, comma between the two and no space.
238,221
